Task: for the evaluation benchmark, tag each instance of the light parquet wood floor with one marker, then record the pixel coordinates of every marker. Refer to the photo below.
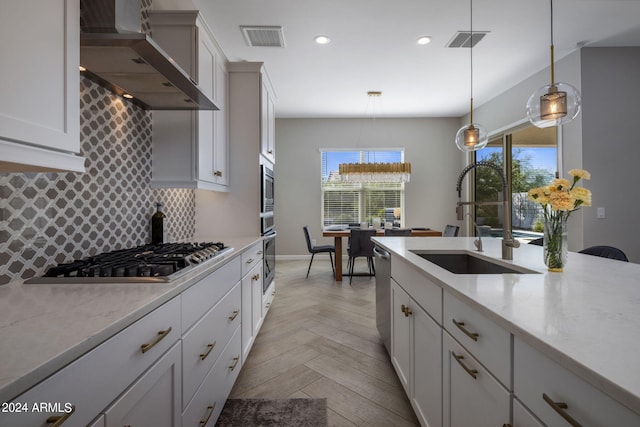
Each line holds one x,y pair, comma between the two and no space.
318,340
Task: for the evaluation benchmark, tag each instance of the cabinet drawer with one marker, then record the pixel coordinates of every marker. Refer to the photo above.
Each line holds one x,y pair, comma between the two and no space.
206,340
94,380
426,293
267,298
199,298
536,375
251,258
153,399
522,417
205,407
488,342
472,397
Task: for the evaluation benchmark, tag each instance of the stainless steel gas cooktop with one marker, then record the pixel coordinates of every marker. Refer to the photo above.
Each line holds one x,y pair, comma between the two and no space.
147,263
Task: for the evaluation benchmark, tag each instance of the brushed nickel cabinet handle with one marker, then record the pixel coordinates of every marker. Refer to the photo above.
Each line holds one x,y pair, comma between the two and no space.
406,310
160,337
270,151
560,407
250,260
473,335
259,252
58,420
210,410
255,276
472,372
235,363
217,173
234,315
209,348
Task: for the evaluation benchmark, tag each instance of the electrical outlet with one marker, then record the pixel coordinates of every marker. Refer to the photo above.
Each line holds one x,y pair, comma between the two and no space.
600,212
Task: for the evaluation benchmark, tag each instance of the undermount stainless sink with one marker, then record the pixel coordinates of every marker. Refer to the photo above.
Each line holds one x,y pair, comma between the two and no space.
464,263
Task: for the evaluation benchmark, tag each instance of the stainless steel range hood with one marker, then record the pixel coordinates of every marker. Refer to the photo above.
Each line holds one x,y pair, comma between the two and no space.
118,56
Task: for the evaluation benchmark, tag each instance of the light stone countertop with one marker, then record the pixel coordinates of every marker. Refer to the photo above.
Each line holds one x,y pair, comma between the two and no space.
44,327
586,318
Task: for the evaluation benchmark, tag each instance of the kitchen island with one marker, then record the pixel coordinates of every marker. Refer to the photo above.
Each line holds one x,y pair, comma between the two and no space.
585,319
47,328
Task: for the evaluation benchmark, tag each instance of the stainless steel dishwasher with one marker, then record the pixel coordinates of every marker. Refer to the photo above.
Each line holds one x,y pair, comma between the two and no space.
383,295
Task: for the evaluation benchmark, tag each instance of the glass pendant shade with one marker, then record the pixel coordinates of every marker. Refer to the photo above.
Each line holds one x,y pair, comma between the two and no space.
554,104
471,137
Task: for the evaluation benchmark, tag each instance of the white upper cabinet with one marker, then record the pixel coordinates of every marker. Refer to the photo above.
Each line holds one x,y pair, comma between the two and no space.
40,102
268,113
190,148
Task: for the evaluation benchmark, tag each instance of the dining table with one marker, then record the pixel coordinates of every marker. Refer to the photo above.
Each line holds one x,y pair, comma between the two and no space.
338,234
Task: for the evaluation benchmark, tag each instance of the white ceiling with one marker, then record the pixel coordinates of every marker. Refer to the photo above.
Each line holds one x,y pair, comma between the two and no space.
374,47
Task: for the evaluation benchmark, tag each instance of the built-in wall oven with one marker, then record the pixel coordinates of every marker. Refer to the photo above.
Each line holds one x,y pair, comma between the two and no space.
269,259
267,225
267,190
266,200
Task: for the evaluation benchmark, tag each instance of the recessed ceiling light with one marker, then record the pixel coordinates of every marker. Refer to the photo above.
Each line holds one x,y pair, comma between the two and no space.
423,40
322,39
82,68
128,96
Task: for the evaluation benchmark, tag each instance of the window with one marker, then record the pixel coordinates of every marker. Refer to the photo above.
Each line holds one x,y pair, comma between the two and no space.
345,203
533,156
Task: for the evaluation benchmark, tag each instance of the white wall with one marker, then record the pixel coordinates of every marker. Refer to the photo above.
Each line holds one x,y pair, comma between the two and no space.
611,146
430,196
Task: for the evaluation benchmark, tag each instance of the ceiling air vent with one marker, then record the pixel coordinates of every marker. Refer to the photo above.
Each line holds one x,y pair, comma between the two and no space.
464,39
263,35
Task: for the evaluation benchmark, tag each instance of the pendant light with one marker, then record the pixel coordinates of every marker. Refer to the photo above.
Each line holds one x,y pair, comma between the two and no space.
556,103
375,172
474,136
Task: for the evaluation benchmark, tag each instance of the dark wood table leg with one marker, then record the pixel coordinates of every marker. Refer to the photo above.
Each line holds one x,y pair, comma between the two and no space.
338,244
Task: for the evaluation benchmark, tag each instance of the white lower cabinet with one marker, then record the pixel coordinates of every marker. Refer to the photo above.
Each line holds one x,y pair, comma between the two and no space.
204,343
522,417
471,395
471,371
173,367
558,397
95,380
205,407
252,297
416,345
98,422
154,399
267,298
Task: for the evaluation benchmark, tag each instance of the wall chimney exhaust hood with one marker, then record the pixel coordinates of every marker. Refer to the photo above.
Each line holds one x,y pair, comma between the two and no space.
118,56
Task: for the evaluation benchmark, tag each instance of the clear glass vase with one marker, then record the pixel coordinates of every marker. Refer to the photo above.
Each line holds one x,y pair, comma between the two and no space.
555,244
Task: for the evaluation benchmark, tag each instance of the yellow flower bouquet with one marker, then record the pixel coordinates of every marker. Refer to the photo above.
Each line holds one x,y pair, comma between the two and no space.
559,199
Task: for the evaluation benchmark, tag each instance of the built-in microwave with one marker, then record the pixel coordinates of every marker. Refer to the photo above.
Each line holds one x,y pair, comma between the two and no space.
267,189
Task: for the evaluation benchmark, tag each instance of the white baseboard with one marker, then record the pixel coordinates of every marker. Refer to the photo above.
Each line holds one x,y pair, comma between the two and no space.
302,257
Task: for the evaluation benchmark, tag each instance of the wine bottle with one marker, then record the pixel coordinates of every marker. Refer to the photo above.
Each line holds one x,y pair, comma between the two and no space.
158,225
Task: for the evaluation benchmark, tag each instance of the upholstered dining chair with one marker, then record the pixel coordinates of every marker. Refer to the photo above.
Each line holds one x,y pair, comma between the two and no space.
360,245
313,249
397,232
605,252
538,242
451,231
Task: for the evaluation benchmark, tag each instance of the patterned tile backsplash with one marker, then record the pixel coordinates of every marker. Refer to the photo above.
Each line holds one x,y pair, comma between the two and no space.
49,218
